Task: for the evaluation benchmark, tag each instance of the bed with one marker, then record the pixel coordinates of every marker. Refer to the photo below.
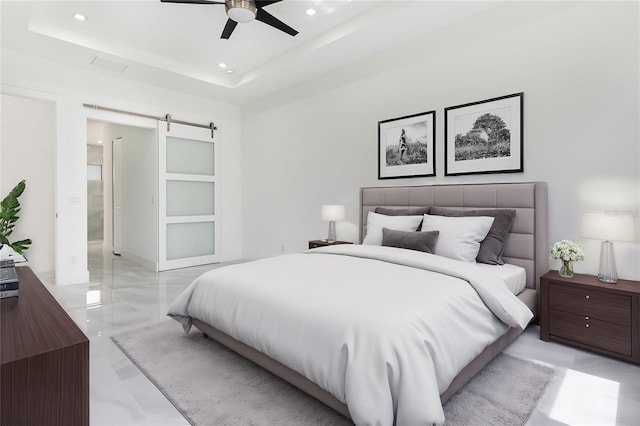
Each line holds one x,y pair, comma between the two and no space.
348,379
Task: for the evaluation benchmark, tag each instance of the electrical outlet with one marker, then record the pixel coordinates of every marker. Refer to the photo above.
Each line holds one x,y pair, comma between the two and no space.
73,260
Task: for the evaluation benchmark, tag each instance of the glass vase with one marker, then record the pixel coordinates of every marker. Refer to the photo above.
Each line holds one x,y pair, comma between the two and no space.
566,269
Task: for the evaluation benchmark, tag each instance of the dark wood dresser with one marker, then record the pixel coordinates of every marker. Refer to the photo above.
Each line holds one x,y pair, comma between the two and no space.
584,312
45,360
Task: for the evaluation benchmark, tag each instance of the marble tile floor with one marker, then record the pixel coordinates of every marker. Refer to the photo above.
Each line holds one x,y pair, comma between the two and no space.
586,389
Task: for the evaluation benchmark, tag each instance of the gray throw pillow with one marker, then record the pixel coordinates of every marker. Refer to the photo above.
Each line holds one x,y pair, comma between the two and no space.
404,211
420,241
492,247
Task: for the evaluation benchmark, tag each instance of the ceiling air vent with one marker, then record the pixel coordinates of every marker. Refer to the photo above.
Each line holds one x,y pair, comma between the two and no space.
108,64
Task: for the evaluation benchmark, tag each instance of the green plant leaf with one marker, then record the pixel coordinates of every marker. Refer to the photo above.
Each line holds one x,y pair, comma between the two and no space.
21,246
18,189
9,209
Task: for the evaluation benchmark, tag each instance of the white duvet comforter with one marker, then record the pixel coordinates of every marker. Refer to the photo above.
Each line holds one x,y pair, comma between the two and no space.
384,330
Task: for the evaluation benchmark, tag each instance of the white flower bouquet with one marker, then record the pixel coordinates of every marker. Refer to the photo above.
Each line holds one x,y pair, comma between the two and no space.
567,251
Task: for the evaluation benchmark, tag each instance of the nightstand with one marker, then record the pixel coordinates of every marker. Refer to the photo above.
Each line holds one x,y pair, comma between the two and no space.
323,243
584,312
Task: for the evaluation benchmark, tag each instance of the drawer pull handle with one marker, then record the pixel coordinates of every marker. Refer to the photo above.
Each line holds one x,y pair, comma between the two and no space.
587,318
586,296
586,325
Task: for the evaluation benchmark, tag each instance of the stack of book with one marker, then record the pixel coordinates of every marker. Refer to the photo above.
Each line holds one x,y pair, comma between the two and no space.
8,279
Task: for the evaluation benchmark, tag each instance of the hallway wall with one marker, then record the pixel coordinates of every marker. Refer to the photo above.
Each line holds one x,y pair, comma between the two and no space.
26,151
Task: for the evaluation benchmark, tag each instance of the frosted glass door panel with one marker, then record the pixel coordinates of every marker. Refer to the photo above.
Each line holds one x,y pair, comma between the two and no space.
189,156
190,239
188,191
188,198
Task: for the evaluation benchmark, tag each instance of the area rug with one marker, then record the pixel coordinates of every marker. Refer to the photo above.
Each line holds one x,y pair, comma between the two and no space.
211,385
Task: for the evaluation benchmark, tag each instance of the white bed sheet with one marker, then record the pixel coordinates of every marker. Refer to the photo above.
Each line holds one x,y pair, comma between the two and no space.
514,276
371,325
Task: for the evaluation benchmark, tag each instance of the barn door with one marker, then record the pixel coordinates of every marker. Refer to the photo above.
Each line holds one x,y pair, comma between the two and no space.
187,196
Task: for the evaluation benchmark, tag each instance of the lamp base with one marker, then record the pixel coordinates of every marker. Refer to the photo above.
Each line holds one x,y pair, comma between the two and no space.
332,232
607,273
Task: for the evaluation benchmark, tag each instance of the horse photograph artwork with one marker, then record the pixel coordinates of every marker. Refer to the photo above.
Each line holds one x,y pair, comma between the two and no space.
406,146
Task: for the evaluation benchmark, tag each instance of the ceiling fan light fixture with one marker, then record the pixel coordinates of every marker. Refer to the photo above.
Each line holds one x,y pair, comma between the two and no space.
241,10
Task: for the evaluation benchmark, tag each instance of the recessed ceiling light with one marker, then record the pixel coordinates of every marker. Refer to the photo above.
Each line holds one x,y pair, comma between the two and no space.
310,12
99,141
222,65
230,71
79,16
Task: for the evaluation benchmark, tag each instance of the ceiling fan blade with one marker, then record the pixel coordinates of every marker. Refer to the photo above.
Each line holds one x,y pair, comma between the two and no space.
228,29
192,1
263,3
269,19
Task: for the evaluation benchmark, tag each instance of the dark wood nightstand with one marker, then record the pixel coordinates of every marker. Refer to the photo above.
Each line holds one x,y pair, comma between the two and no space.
323,243
584,312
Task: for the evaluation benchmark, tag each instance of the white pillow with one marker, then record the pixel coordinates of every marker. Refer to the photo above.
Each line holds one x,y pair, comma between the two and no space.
459,237
376,221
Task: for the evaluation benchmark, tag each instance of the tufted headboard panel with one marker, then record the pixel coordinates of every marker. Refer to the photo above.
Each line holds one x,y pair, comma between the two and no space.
527,243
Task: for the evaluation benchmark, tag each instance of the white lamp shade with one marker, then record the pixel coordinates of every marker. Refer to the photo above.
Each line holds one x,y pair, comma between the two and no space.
612,226
332,212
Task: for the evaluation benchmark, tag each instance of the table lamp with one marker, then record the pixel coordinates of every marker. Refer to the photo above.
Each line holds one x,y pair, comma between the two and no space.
331,213
608,226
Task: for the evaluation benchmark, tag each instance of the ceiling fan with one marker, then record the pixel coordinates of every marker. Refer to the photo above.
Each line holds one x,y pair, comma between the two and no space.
244,11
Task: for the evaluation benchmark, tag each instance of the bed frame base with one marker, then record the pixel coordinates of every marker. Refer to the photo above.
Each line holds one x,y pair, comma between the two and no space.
325,397
274,367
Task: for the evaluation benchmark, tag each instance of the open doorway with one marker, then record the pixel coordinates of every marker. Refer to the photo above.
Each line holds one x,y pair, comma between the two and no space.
122,191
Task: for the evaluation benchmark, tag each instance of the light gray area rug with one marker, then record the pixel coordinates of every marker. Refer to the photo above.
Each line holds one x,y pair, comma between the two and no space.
211,385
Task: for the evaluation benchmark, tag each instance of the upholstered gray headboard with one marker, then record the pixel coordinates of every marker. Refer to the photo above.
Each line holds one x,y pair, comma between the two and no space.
527,244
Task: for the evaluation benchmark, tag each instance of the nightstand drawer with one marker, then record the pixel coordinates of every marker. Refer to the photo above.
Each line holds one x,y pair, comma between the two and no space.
585,302
592,332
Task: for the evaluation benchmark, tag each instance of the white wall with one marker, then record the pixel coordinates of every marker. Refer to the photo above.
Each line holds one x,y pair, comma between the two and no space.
577,64
70,87
28,132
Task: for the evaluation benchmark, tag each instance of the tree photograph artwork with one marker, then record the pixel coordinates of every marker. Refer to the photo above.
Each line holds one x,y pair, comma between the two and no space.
488,136
484,136
406,146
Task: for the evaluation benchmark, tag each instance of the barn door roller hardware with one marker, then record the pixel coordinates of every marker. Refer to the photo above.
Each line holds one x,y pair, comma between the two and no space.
166,118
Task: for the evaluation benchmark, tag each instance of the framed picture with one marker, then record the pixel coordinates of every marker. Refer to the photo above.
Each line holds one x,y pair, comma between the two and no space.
484,136
406,146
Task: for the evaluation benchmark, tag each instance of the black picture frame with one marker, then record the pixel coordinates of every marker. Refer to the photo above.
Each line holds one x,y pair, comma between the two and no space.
406,146
485,136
